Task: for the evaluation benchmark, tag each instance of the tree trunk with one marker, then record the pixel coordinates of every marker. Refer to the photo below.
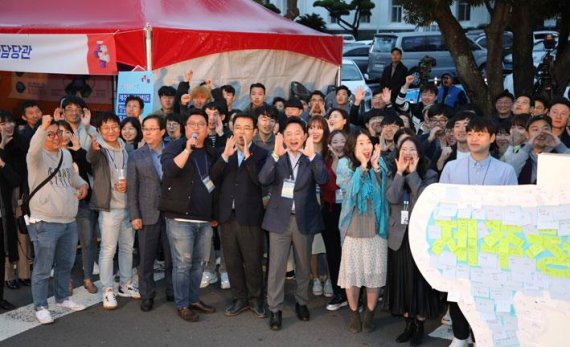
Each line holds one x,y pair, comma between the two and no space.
467,70
495,32
523,67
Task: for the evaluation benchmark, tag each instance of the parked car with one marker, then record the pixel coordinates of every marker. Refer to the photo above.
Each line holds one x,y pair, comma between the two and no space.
539,35
347,38
481,40
351,77
358,54
415,46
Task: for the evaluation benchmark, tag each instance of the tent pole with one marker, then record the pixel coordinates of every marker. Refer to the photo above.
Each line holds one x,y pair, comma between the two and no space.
148,46
338,77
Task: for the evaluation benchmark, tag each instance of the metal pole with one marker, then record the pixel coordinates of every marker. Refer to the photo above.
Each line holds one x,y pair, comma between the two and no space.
148,46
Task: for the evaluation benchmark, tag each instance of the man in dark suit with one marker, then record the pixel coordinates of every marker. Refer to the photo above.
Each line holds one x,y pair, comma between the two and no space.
394,75
240,214
293,214
144,174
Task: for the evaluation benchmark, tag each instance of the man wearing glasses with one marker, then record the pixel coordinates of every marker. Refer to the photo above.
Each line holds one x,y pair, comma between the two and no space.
187,203
75,112
449,94
52,226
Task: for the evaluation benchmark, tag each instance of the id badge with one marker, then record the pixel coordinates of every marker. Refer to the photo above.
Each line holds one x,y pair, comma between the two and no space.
339,196
288,188
208,184
404,217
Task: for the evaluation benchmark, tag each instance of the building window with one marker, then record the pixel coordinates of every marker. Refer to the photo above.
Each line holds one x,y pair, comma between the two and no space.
463,11
396,13
365,18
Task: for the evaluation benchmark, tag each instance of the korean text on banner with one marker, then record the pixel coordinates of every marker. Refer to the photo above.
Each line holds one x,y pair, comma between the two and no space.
135,83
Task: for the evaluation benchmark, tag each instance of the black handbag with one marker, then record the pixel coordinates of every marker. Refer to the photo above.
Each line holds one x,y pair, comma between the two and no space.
27,197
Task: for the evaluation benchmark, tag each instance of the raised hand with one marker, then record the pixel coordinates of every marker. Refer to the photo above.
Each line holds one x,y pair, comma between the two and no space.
46,121
74,141
401,165
219,127
386,95
86,118
278,148
375,159
209,84
188,75
58,114
309,149
185,99
230,147
359,95
409,80
413,164
246,152
360,157
550,140
5,138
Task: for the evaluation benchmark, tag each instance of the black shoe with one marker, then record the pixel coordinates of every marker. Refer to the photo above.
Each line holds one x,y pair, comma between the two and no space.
25,282
170,298
290,275
200,306
13,284
302,312
258,308
6,305
237,307
408,331
275,320
146,304
368,320
337,302
418,335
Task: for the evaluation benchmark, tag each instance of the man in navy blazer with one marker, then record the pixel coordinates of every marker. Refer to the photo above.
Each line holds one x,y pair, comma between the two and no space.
240,210
293,214
144,174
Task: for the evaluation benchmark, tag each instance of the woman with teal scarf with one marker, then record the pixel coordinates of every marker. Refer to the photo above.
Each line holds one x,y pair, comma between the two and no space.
363,226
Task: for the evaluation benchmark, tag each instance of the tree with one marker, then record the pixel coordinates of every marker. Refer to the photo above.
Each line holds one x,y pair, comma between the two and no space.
268,6
338,8
313,21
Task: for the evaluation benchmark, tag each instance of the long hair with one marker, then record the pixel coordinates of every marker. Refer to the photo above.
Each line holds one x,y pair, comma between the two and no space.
326,132
423,163
137,125
344,115
350,146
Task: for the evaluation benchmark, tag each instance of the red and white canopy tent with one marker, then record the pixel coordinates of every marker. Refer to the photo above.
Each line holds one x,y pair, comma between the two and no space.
237,42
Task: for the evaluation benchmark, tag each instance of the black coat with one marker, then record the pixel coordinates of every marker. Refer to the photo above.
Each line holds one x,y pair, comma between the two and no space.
9,180
396,81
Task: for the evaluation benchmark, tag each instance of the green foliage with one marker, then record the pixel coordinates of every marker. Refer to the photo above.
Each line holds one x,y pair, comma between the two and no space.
268,6
313,21
339,8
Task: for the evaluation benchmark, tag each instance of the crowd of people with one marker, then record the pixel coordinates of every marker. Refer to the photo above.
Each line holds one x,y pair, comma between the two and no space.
278,184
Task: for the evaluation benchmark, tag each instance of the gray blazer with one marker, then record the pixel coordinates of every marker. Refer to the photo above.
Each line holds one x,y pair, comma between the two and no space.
395,196
307,209
143,192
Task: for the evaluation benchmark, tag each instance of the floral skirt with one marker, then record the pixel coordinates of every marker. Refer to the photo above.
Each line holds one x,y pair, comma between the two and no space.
363,262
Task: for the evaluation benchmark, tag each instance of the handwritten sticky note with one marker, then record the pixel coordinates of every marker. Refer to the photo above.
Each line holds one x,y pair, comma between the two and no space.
488,260
564,228
434,232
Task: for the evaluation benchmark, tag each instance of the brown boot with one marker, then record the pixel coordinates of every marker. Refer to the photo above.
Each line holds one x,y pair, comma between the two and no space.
355,325
368,320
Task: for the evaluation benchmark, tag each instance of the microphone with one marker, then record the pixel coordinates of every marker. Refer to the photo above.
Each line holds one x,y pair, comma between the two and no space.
195,137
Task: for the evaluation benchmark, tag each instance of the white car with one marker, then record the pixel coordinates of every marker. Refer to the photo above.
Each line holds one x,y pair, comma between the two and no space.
351,77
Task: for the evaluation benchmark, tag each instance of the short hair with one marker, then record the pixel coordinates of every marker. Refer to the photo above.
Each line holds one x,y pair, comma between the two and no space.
482,124
392,119
72,99
428,88
174,117
397,50
277,99
537,118
520,120
317,92
504,127
295,120
200,90
135,98
221,108
294,103
65,124
373,113
560,100
161,121
257,85
344,115
245,116
461,117
228,89
542,99
105,117
194,112
504,94
403,131
27,103
343,87
267,111
166,91
437,109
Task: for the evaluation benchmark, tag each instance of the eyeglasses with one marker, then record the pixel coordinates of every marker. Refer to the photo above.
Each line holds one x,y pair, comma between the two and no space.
51,135
73,111
196,125
109,129
172,124
244,128
150,129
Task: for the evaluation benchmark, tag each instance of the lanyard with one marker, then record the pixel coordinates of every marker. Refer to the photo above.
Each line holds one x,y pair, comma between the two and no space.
198,166
484,176
292,168
406,198
111,156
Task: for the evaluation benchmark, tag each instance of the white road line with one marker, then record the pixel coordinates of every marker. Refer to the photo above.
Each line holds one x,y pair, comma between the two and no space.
23,318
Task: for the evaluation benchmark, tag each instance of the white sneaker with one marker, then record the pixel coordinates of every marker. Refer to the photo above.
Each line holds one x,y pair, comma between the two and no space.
317,287
225,280
208,278
95,268
109,300
459,343
71,305
328,289
43,315
129,291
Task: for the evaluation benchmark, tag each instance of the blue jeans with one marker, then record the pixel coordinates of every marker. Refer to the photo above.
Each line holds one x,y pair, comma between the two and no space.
115,229
86,222
190,249
53,243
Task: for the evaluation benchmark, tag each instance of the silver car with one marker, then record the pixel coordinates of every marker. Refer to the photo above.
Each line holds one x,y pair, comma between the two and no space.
415,46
